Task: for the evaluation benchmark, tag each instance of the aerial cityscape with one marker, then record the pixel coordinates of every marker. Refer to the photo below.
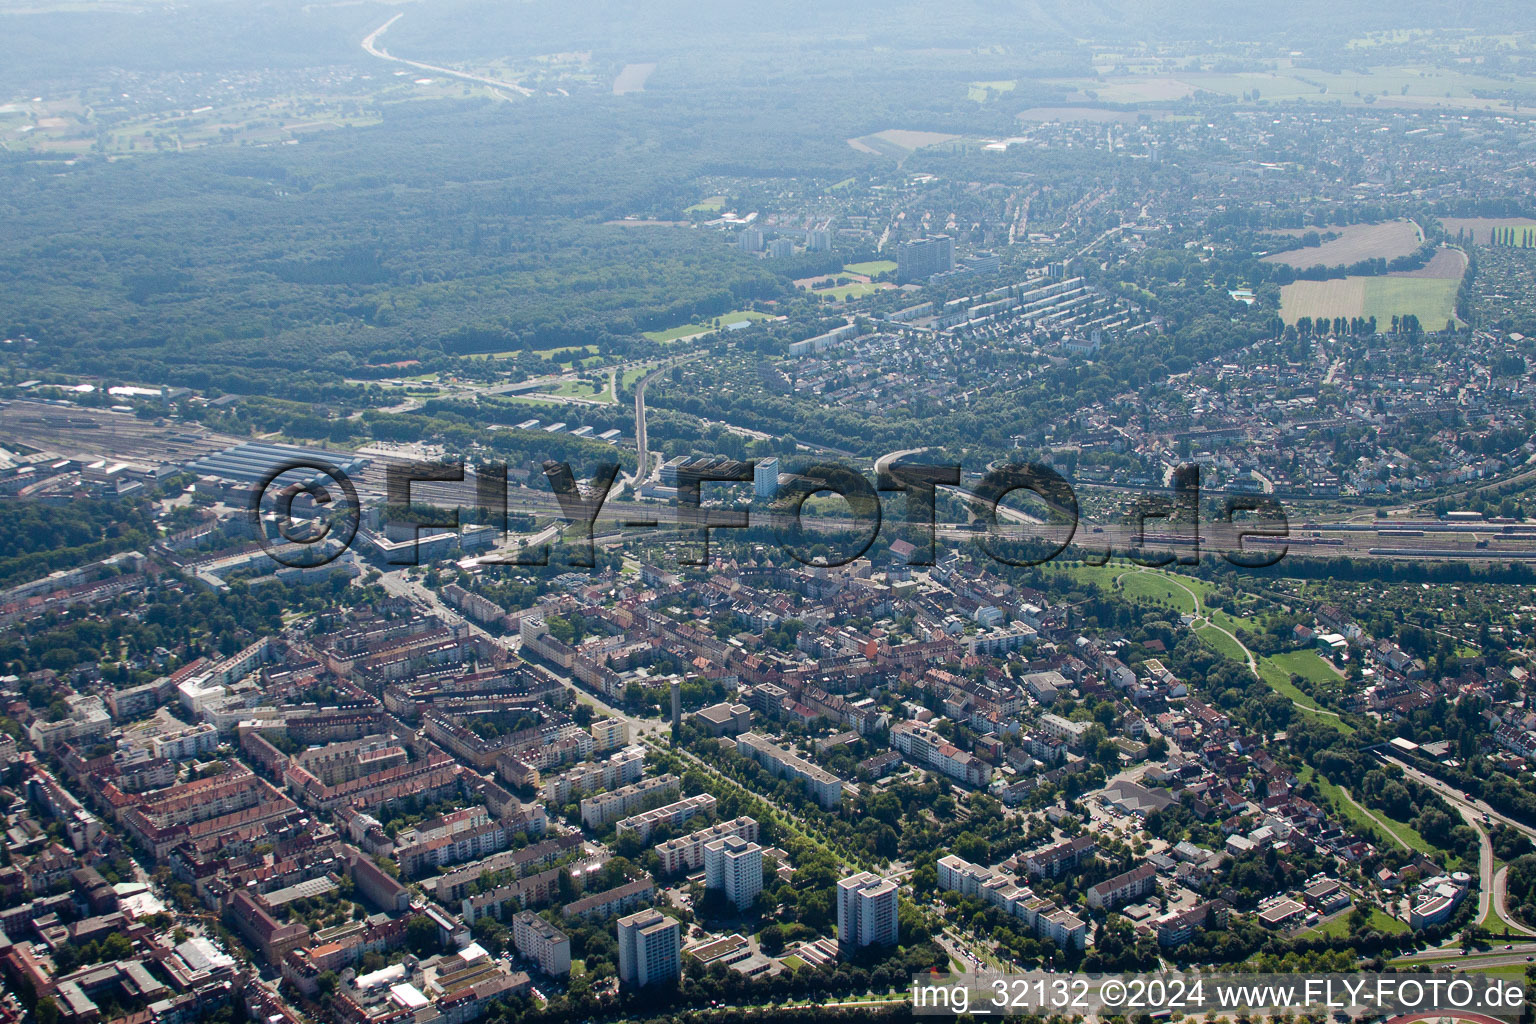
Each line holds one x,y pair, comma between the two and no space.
709,513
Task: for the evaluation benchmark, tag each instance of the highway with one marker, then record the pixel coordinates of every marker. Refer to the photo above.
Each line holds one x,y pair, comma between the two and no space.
642,442
370,44
1456,797
1493,884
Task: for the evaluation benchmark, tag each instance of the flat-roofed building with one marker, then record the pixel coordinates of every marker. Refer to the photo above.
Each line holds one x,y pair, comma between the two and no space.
735,867
603,808
826,788
725,719
650,949
673,814
866,912
538,940
686,853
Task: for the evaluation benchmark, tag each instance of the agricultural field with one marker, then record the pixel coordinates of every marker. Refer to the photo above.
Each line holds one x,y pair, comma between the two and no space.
1479,230
1343,296
1445,264
1068,114
899,143
1428,293
1356,242
1400,86
693,330
632,78
1432,300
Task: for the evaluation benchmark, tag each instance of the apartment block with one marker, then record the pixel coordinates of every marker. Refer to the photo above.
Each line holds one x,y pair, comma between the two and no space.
998,889
824,787
866,912
538,940
735,867
605,808
686,853
1129,885
673,814
650,949
921,745
1053,860
623,768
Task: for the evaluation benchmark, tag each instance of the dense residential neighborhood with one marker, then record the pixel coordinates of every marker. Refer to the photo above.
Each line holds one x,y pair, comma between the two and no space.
698,514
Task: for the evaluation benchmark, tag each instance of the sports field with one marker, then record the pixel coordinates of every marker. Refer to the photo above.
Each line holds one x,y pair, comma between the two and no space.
871,268
857,289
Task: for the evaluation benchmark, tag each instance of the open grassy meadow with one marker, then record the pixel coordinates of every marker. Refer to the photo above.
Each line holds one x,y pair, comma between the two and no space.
871,267
705,327
1307,664
983,91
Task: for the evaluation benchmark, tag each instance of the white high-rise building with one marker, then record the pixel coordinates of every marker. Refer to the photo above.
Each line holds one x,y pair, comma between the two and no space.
735,866
543,943
765,478
650,949
866,912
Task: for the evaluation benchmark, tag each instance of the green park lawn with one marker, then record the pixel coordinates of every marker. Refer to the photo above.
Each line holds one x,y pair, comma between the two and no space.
1338,928
724,320
871,268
